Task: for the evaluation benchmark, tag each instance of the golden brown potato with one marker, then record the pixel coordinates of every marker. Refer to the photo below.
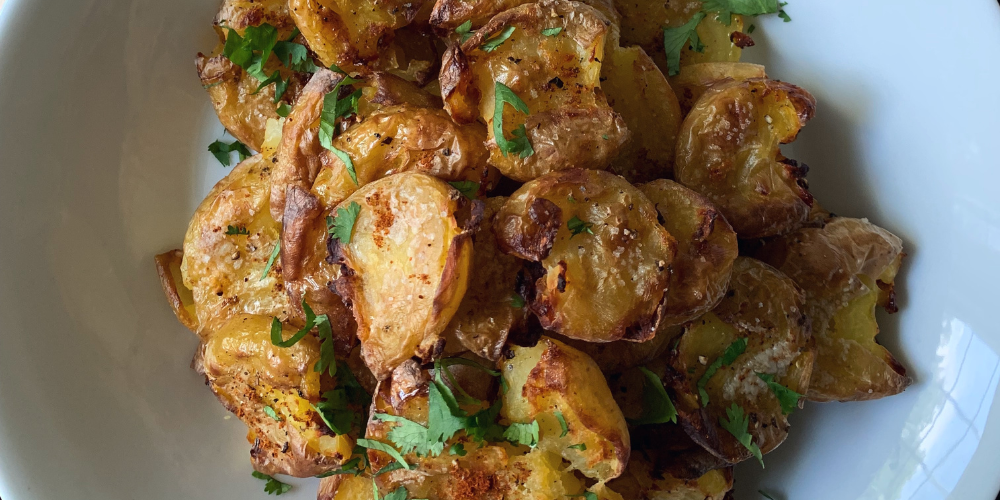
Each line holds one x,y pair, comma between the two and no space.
765,308
383,90
552,376
620,355
241,14
400,139
706,249
641,481
846,268
249,374
693,80
180,298
350,33
568,123
638,91
728,150
488,312
225,272
406,267
450,14
602,258
414,53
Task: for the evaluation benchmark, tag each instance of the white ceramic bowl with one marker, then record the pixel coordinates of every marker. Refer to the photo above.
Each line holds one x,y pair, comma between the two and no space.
103,130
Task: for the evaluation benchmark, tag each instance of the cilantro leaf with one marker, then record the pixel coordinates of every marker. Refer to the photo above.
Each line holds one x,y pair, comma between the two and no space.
380,446
788,398
482,426
349,467
737,425
311,322
577,226
676,39
222,151
492,44
408,435
271,413
784,15
562,423
327,356
765,495
334,108
342,226
273,486
732,352
457,449
442,421
467,188
294,56
587,495
580,446
397,494
233,230
389,468
523,434
656,405
271,259
552,31
348,164
519,144
334,411
283,110
465,30
516,300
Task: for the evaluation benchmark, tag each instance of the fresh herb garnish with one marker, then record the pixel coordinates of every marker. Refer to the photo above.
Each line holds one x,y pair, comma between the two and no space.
342,225
465,30
271,413
283,110
516,300
562,423
397,494
522,433
389,468
349,467
327,356
587,495
737,425
788,398
273,486
552,31
676,39
467,188
251,50
311,321
271,259
579,446
457,449
492,44
234,230
577,226
519,144
222,151
385,448
732,352
656,405
765,495
334,108
784,15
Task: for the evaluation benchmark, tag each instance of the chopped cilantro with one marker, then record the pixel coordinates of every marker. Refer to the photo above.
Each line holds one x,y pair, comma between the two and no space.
571,199
444,418
389,468
380,446
397,494
579,446
271,413
457,449
562,423
577,226
492,44
311,321
294,56
271,259
765,495
234,230
251,50
408,435
222,151
516,301
342,225
283,110
656,405
784,15
465,30
587,495
327,356
552,31
467,188
520,143
335,412
522,433
788,398
676,39
273,486
732,352
737,425
349,467
751,29
334,108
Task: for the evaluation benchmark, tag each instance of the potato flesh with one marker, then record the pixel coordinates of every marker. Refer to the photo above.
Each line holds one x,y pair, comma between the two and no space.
728,151
224,272
409,264
597,287
642,482
695,79
706,249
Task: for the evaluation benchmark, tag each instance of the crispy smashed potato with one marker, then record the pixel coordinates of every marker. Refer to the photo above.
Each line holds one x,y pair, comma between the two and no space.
180,298
706,249
569,122
765,308
241,14
602,259
225,272
641,481
728,150
620,355
383,90
693,80
406,268
248,374
450,14
488,313
846,268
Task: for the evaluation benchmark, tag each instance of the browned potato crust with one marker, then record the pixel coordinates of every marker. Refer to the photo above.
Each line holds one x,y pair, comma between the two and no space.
241,14
449,14
728,150
558,77
693,80
248,373
605,283
641,481
384,90
225,273
168,268
406,268
846,268
620,355
487,314
765,307
706,249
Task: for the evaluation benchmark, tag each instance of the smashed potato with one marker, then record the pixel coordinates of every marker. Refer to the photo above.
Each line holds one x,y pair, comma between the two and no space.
706,249
641,481
568,122
764,309
602,259
846,268
728,151
450,14
693,80
620,355
180,298
406,267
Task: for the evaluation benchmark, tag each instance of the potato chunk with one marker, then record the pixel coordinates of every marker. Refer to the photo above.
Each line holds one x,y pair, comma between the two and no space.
602,258
728,150
846,268
450,14
706,249
405,270
569,122
764,307
225,272
620,355
249,374
693,80
641,481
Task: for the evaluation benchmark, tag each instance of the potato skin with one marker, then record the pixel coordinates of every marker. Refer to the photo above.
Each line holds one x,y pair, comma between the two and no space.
449,14
406,268
597,287
694,79
706,249
846,267
765,307
728,151
180,298
621,355
570,123
641,481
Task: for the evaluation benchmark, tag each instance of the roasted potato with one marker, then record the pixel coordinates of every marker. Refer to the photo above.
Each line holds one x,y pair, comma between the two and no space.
228,244
488,312
602,261
569,122
706,249
728,151
620,355
846,268
241,14
693,80
641,481
405,138
180,298
765,308
249,374
383,90
550,377
406,267
450,14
